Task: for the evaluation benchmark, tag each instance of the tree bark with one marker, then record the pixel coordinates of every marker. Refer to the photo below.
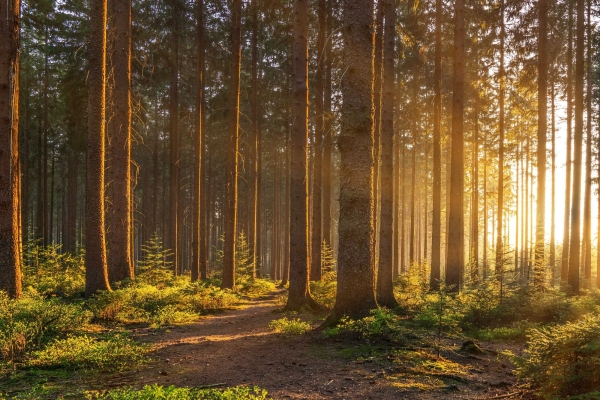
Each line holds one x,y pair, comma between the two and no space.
499,268
254,231
96,271
385,275
119,243
299,292
586,259
327,123
436,217
10,257
355,281
455,254
232,148
539,261
173,228
574,246
315,253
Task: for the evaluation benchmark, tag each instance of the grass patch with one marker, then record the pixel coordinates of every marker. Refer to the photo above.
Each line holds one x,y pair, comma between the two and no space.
108,353
155,391
289,327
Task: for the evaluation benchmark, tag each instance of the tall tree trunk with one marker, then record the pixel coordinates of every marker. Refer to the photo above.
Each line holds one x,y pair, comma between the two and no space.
10,257
355,281
232,148
499,244
315,264
586,260
553,195
327,124
119,243
436,217
485,215
475,204
299,291
254,231
173,237
198,196
573,276
455,255
568,200
377,88
96,270
385,275
539,267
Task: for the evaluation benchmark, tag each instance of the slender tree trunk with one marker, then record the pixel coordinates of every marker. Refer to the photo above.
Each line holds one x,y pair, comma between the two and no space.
413,178
254,231
455,255
499,245
553,195
10,257
377,88
173,238
539,267
119,243
96,270
198,196
436,218
355,281
574,246
568,200
315,264
385,275
327,123
475,204
586,259
299,291
232,148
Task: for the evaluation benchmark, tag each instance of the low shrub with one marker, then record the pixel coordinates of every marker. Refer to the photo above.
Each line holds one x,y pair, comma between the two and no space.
324,290
146,304
255,287
151,392
563,360
111,352
29,322
382,324
289,327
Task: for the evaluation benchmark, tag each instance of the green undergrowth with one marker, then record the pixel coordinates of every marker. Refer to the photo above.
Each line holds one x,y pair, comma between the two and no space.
289,327
174,393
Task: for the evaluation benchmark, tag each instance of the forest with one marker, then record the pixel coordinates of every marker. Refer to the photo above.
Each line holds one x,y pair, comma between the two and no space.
345,199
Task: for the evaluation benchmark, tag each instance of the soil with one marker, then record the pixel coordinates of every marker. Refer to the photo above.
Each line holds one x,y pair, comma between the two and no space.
238,348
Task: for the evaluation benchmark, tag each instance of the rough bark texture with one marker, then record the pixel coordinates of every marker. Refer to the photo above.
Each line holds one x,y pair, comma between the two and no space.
355,292
436,217
455,253
254,231
173,227
96,271
299,293
10,259
385,275
539,261
315,253
326,179
120,253
377,81
574,246
232,148
198,193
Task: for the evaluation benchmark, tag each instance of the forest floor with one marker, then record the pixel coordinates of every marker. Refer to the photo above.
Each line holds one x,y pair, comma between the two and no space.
236,347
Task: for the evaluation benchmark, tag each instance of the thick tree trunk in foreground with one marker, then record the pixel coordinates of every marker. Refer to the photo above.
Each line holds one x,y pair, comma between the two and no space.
120,251
96,271
355,291
539,262
299,293
10,258
385,284
232,148
455,255
574,246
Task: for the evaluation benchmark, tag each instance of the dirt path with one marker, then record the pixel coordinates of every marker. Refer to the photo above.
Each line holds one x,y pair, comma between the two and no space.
238,348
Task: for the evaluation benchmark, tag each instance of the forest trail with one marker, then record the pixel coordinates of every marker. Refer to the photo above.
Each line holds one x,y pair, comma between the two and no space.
238,348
